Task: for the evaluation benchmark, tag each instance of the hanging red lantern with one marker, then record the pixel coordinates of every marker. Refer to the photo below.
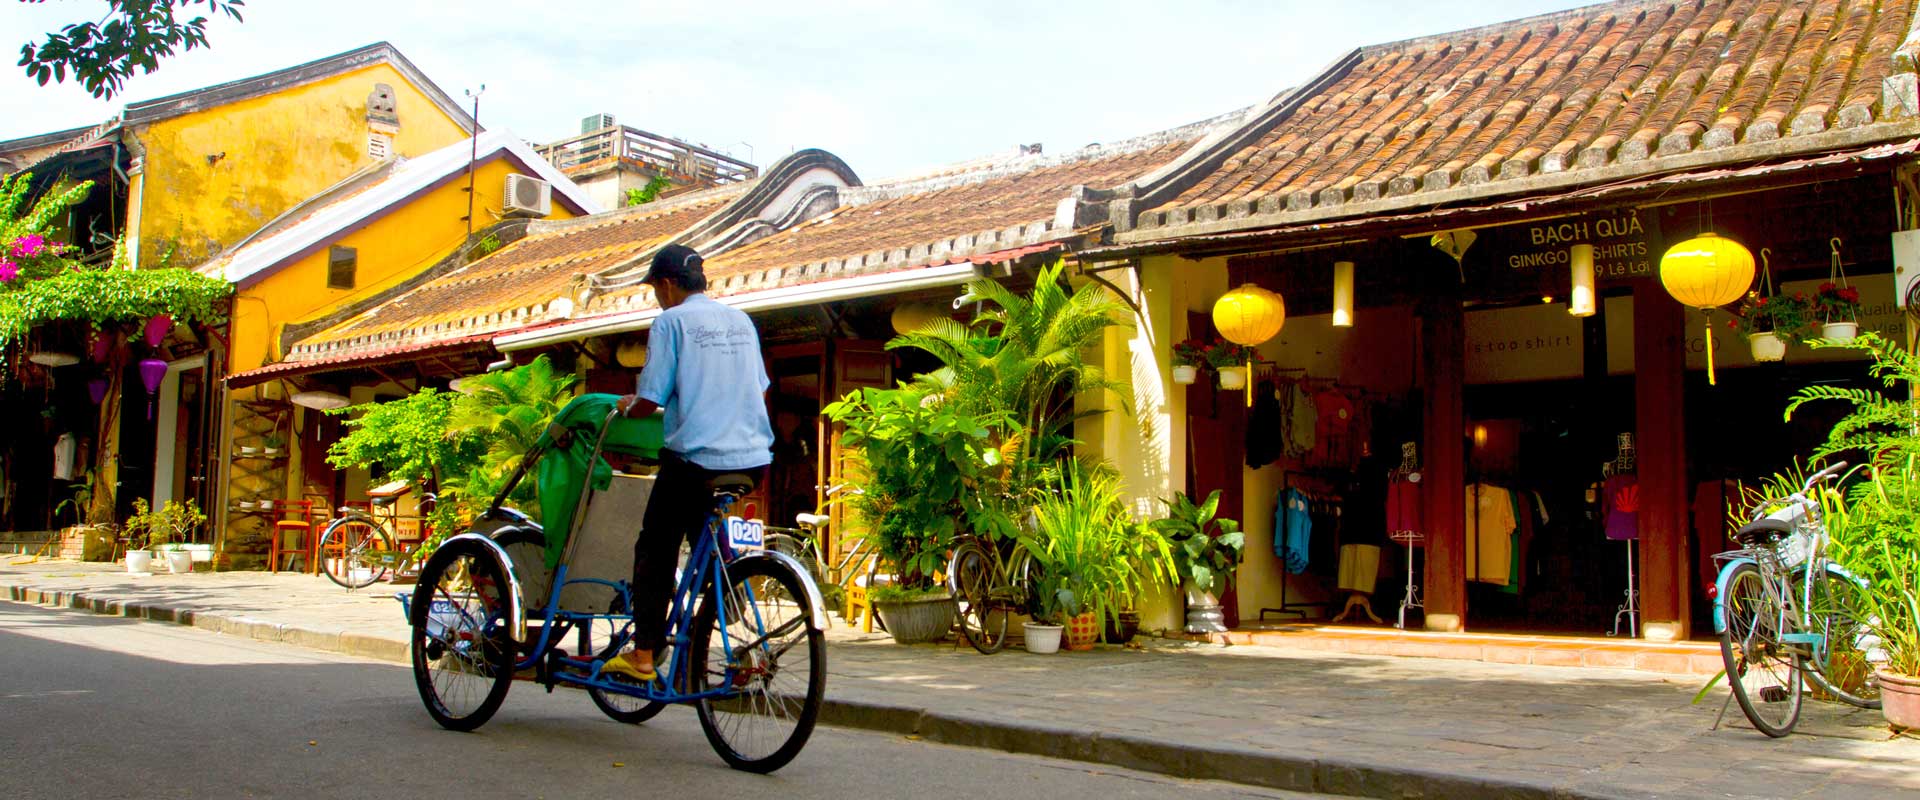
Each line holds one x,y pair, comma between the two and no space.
157,328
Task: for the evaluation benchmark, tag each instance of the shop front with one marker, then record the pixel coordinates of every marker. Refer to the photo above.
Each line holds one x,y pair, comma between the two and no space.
1527,430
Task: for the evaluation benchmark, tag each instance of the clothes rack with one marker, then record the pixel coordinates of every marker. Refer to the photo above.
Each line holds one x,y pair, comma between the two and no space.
1286,480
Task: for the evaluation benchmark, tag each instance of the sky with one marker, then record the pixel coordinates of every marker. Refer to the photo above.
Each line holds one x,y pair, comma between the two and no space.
890,86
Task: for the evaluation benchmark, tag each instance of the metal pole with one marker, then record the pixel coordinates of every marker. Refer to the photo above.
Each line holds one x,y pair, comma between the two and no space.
475,155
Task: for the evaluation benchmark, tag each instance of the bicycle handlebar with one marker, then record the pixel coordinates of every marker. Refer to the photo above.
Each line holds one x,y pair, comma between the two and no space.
1823,475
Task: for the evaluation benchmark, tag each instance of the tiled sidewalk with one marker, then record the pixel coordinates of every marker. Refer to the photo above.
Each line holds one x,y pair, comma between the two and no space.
1270,715
1678,658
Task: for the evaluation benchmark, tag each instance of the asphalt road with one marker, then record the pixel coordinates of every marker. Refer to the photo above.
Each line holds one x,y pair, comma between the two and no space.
104,707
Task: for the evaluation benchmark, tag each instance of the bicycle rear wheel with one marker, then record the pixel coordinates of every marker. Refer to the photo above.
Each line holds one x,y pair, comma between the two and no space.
1837,666
1763,674
771,656
972,580
461,642
354,552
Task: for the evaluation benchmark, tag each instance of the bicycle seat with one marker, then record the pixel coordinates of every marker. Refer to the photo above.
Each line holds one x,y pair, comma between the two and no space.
733,484
1763,529
812,520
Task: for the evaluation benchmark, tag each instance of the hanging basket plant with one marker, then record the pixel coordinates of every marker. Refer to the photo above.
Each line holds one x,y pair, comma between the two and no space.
1836,303
1769,321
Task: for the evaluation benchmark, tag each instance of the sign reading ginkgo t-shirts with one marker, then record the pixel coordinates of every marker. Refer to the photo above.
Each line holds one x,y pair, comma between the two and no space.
1534,258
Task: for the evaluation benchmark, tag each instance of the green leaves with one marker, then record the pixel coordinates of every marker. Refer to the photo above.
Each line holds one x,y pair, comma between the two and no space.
134,35
103,297
1205,549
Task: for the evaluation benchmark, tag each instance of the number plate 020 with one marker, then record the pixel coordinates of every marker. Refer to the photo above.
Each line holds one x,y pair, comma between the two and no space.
746,534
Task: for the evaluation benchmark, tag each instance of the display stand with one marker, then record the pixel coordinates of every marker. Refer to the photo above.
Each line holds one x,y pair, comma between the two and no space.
1623,463
1409,471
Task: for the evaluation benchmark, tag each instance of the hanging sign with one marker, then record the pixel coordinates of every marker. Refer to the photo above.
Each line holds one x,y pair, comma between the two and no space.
1535,258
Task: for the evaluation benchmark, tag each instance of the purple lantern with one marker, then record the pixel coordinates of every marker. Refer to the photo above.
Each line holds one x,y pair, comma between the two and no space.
152,370
97,389
157,328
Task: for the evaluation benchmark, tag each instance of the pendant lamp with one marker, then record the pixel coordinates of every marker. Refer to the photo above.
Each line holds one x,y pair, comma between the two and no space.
1581,303
1343,294
97,390
152,370
1249,315
1707,272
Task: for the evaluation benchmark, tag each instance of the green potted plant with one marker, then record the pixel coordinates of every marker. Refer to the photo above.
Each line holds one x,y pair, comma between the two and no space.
1206,551
1769,322
1838,307
137,528
173,525
1188,357
1092,556
916,459
1230,360
1877,538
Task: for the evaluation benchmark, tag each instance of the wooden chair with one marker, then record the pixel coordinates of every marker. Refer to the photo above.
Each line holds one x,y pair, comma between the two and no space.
294,519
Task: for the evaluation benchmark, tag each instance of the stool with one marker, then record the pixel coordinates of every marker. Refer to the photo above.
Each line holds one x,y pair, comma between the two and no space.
300,523
1359,570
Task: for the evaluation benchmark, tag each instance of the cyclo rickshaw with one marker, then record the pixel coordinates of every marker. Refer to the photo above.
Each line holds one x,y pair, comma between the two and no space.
509,598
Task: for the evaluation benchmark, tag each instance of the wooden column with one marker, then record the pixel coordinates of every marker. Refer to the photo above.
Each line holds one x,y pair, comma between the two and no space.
1443,354
1659,389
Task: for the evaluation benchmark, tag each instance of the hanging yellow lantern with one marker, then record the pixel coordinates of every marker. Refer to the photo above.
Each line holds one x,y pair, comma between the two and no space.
1249,315
1707,272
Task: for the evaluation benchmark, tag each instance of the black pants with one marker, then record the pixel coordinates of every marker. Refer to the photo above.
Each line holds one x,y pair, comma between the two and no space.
676,512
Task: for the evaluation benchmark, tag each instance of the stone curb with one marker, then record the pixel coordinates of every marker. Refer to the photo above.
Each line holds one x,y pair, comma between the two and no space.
1274,770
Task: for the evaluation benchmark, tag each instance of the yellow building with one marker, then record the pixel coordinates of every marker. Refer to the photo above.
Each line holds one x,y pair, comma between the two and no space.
182,179
395,224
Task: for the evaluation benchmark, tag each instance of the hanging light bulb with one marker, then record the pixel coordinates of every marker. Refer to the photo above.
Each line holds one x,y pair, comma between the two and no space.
1343,294
1581,304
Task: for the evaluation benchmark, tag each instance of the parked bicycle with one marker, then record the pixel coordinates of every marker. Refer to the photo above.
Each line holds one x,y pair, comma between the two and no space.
808,544
990,584
750,656
357,549
1784,612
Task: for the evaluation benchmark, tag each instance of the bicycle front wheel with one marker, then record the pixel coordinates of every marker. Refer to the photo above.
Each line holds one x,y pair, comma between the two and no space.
356,553
462,645
1762,672
972,580
751,640
1837,665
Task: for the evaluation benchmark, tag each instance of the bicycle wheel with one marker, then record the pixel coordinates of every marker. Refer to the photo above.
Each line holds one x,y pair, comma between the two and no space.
771,657
1837,665
972,580
606,638
801,550
461,644
353,550
1763,675
527,549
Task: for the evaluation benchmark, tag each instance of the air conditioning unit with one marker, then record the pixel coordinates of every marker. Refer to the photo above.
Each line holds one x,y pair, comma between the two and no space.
528,196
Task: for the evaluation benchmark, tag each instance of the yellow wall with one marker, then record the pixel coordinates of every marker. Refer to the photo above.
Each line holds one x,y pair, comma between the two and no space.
279,149
392,249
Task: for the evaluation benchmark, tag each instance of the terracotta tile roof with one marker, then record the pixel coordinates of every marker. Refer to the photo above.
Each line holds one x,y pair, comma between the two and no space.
931,219
511,288
1616,85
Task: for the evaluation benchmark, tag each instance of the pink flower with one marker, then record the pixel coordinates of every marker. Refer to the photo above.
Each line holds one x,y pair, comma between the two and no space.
8,270
29,245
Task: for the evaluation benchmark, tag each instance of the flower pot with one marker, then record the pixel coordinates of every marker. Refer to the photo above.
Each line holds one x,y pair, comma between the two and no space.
1900,700
1184,374
1123,627
1840,331
139,561
1203,611
1083,630
179,561
1233,378
1767,346
1042,638
914,621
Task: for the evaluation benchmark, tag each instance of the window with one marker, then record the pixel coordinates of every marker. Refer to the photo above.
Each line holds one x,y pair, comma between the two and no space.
341,262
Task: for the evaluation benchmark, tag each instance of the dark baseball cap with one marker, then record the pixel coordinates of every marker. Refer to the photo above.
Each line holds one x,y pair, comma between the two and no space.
679,262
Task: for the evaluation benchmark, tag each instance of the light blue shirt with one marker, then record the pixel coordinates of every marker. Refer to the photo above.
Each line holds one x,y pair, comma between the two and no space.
704,368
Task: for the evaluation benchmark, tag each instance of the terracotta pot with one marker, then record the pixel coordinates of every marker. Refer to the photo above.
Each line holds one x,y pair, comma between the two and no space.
1185,374
1900,700
1083,630
1840,331
1233,378
1767,346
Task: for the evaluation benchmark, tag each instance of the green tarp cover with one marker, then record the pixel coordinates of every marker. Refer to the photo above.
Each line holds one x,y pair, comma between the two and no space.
562,471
